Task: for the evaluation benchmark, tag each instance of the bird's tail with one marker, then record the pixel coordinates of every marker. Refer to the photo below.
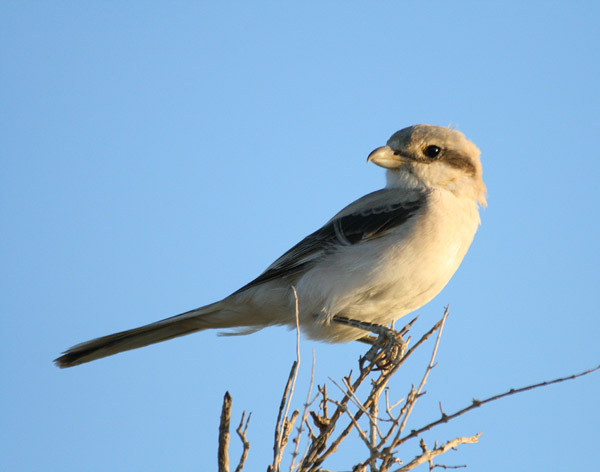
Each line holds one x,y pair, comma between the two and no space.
169,328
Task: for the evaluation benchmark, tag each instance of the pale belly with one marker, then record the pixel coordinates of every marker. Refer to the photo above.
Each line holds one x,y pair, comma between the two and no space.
390,278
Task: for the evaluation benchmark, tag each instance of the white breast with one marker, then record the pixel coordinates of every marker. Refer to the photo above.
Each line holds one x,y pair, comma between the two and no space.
387,278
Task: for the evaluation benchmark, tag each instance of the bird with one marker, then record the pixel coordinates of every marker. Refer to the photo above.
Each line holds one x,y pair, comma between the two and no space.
381,257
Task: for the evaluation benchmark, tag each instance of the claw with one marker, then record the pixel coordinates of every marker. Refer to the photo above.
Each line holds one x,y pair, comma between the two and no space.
388,342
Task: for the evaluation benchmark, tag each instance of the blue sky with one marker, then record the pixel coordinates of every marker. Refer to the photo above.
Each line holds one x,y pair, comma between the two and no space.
156,156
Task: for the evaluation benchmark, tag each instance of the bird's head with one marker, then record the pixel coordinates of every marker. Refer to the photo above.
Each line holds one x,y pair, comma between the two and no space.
432,156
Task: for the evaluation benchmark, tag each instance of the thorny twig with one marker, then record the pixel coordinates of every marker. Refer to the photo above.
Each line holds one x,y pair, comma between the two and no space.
315,458
477,403
427,455
381,445
386,453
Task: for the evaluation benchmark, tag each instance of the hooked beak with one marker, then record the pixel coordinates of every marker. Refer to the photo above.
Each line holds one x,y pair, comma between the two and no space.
385,157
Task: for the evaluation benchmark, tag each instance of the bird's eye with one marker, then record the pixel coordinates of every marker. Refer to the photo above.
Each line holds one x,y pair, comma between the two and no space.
432,151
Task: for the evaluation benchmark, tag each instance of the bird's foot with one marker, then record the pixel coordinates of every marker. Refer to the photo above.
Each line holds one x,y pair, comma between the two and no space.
388,347
387,350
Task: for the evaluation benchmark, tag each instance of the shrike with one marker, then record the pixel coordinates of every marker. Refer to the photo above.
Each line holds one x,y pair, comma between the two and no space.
380,258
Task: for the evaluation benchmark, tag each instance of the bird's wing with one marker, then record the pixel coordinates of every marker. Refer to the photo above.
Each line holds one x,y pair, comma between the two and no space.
368,218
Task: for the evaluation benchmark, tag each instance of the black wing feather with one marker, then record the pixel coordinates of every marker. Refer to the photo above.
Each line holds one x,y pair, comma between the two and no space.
346,230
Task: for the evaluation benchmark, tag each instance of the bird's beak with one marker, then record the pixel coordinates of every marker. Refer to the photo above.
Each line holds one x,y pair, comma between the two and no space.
385,157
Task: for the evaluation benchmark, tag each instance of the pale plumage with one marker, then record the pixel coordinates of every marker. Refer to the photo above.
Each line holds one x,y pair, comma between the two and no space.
381,257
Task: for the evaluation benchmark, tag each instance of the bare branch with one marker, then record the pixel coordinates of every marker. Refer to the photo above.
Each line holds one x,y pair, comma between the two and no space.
374,431
303,421
428,455
287,428
223,453
414,395
360,432
297,363
442,466
381,436
477,403
282,420
245,443
282,428
315,457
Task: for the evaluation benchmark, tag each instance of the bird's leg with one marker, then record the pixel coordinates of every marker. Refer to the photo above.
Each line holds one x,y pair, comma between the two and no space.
387,340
